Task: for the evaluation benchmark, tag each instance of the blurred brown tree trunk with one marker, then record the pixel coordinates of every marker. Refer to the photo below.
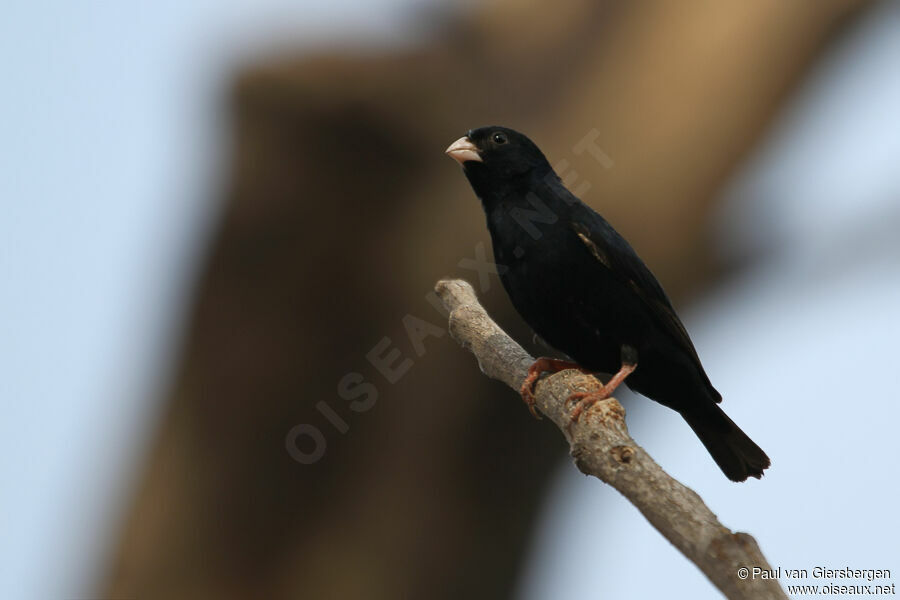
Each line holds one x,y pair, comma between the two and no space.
342,211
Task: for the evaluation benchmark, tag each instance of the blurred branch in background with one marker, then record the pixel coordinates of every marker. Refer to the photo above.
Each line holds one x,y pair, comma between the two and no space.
338,190
602,447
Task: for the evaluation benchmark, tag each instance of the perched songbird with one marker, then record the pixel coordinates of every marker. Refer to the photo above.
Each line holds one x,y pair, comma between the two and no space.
584,290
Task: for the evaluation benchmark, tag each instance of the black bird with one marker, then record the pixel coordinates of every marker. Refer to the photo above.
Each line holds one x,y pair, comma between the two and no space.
584,290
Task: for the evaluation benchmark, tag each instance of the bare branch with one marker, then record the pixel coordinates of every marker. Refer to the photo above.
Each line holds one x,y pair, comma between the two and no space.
602,447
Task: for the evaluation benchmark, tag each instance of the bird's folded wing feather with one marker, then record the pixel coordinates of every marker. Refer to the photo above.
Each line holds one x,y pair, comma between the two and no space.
615,254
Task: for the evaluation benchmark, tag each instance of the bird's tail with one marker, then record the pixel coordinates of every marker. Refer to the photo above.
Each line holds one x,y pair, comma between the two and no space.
735,453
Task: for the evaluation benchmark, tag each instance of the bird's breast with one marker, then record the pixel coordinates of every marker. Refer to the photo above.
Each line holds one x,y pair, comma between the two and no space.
567,302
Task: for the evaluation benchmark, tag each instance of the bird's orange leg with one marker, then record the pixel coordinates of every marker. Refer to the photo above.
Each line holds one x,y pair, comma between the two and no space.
542,365
586,399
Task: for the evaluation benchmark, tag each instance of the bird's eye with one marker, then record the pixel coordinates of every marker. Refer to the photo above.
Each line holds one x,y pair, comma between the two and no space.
499,138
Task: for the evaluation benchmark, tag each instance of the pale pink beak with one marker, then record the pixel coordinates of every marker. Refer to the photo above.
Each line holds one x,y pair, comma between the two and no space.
463,150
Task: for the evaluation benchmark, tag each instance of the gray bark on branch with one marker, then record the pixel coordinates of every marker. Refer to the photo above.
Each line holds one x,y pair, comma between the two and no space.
602,447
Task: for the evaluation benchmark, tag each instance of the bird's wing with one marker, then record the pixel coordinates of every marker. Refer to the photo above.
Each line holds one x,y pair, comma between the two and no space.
615,254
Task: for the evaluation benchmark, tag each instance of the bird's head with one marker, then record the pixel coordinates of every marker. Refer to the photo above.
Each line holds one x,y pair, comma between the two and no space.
497,155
